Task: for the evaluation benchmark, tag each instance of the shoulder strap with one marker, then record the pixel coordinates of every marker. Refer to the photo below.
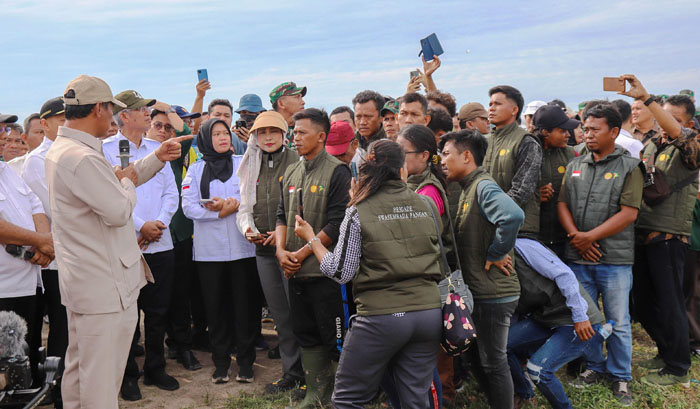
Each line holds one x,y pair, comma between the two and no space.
445,266
685,182
452,234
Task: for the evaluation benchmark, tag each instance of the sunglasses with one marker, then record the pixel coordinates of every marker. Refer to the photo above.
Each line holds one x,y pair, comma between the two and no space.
160,125
5,129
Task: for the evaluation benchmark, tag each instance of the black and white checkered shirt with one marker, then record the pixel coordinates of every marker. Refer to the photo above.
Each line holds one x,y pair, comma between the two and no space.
341,264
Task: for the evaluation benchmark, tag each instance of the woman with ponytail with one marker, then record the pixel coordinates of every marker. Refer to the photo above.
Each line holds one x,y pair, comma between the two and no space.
388,246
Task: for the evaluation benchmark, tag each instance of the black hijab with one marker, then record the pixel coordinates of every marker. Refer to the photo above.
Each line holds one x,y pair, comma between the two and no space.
217,165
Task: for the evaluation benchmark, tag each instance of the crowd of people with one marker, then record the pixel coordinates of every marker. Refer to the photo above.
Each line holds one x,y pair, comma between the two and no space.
567,225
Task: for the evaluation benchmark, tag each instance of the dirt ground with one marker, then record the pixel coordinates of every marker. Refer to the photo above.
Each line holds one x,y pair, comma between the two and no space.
196,389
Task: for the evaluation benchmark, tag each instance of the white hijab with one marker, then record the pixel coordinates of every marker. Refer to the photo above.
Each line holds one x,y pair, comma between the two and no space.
248,172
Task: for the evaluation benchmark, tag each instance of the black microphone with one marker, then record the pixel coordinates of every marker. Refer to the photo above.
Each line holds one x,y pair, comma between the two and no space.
124,153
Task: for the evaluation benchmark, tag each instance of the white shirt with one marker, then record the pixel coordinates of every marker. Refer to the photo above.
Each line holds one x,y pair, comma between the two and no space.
18,277
16,163
215,239
35,177
156,199
627,141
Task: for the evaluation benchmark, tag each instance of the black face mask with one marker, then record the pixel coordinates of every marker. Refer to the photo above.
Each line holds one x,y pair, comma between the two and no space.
249,119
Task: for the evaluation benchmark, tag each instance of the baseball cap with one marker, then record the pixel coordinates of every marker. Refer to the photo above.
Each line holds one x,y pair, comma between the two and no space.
286,89
471,111
133,100
270,119
182,112
688,92
533,106
392,106
8,118
87,90
52,107
251,103
551,116
339,137
581,106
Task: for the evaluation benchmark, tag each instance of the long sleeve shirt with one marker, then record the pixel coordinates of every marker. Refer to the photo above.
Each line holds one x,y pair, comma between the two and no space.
502,211
157,199
350,231
548,265
527,174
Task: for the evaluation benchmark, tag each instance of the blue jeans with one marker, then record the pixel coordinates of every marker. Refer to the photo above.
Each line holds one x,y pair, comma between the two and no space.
547,350
614,283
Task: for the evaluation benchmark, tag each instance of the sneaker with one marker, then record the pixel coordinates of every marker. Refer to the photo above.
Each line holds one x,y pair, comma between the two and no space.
285,383
300,392
588,377
220,376
245,375
266,316
654,363
161,380
622,393
664,378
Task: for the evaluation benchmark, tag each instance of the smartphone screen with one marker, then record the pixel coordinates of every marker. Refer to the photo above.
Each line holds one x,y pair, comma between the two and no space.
353,169
204,201
202,74
414,74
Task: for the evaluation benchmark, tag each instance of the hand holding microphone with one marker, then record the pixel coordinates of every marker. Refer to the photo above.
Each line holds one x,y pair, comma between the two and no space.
125,170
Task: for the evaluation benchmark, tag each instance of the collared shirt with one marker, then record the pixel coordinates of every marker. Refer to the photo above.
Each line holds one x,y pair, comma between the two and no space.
646,137
35,177
215,239
18,277
17,163
629,142
157,199
101,266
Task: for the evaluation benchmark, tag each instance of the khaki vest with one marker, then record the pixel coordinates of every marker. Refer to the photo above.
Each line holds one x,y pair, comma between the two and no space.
554,161
593,191
474,234
675,214
500,160
267,193
310,182
400,265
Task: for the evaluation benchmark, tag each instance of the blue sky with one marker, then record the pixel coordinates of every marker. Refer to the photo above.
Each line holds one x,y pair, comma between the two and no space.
337,48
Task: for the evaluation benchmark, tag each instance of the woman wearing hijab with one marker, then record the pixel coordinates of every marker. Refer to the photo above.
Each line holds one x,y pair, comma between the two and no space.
263,165
225,259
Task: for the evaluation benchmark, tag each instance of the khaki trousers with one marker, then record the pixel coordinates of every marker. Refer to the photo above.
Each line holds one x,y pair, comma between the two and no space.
98,346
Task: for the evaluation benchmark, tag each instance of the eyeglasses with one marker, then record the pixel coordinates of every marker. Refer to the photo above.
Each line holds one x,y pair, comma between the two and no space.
142,109
160,125
5,129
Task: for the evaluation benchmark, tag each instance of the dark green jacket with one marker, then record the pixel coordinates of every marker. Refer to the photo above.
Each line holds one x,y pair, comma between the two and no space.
593,191
400,265
554,161
474,234
500,160
377,136
181,228
543,301
310,181
268,193
675,214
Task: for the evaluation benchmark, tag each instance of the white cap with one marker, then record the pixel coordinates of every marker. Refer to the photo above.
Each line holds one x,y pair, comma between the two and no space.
532,107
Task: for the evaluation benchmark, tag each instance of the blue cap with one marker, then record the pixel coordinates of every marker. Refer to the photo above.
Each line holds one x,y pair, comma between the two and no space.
182,112
251,103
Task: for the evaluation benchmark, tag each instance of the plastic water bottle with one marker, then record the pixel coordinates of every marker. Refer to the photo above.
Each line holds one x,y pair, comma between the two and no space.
606,329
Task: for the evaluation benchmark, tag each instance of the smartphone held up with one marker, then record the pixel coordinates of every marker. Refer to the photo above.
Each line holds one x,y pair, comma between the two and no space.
614,84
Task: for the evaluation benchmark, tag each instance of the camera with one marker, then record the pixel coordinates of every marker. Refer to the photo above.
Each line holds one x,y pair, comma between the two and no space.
15,373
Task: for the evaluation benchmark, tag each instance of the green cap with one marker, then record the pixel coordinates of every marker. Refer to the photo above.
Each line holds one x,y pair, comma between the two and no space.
392,106
581,106
688,92
132,100
286,89
663,97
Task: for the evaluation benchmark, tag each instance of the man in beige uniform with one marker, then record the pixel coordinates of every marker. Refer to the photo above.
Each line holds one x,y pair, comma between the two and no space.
101,266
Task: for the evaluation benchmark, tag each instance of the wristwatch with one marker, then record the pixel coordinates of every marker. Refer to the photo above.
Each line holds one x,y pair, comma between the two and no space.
649,101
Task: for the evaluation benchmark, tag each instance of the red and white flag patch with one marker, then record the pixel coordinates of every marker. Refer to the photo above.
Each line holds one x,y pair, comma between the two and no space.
576,173
291,189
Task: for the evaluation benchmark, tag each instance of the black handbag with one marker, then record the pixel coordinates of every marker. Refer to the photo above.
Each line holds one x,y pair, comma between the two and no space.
656,188
458,330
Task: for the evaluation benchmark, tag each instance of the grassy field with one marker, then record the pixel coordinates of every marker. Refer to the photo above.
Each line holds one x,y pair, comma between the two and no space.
599,397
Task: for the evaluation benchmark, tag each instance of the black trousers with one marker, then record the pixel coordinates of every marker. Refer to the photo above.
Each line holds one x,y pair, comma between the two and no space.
179,317
154,301
317,314
658,295
25,307
691,289
230,291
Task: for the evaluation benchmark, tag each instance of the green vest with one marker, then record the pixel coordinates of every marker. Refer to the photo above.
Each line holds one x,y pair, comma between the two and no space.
593,192
542,299
400,265
554,161
474,234
267,193
418,182
501,157
309,180
675,214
